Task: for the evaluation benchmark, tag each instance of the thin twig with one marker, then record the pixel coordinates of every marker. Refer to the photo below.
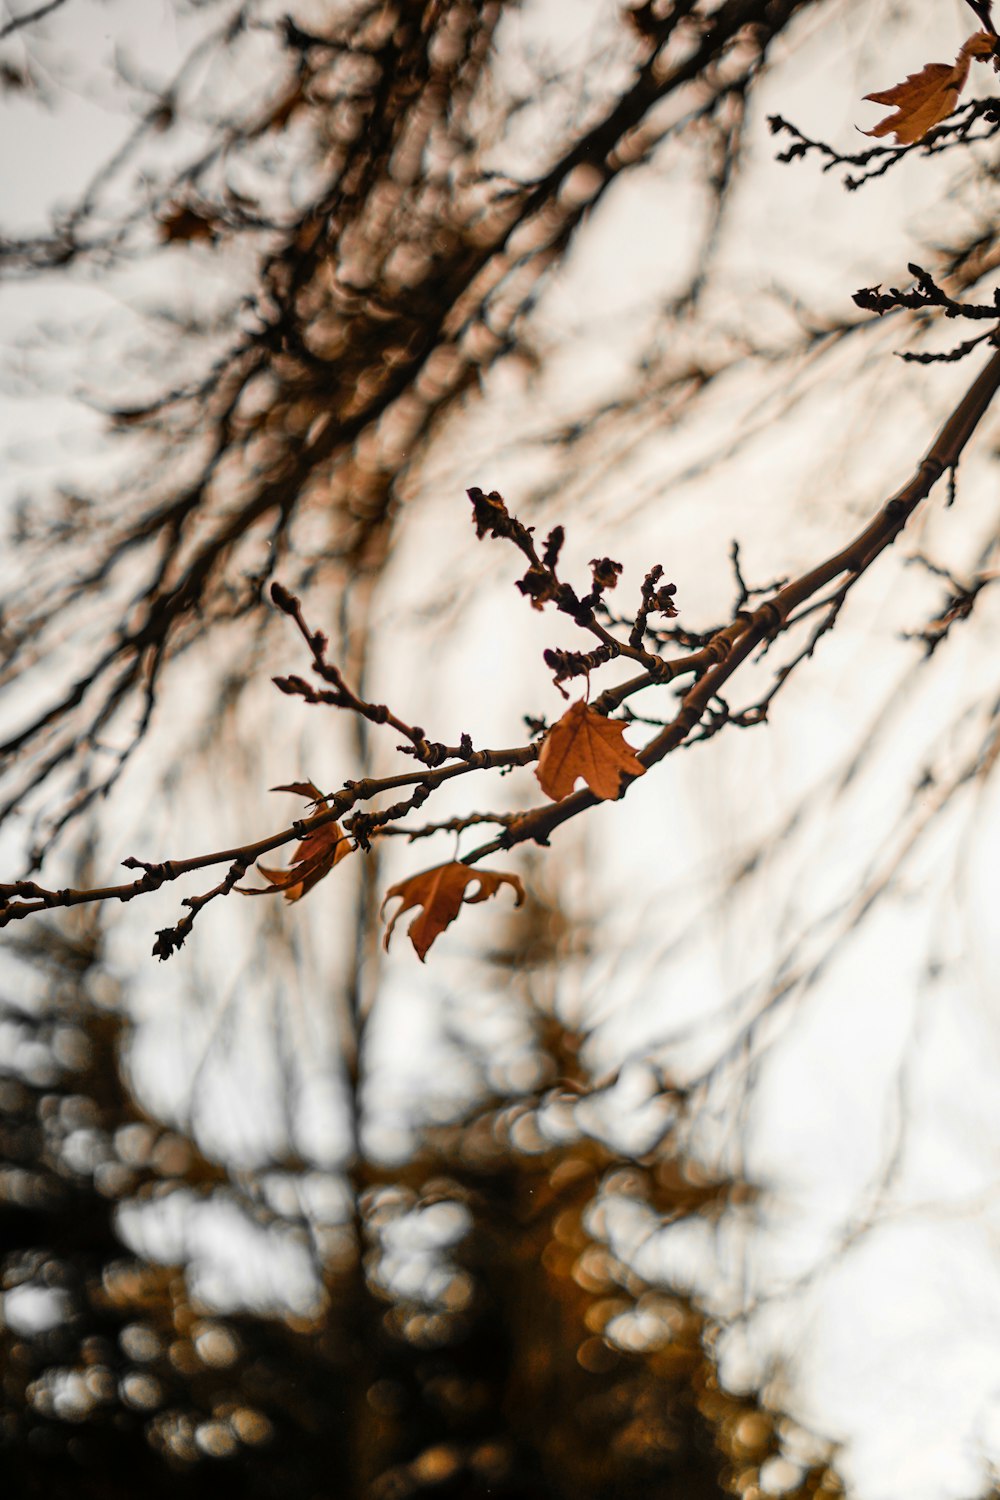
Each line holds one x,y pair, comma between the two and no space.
714,664
29,16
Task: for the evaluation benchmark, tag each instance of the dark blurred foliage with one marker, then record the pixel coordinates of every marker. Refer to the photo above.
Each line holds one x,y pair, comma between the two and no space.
486,1341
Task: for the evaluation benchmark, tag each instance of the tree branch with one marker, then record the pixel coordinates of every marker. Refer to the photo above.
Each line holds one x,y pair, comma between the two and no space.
28,17
712,664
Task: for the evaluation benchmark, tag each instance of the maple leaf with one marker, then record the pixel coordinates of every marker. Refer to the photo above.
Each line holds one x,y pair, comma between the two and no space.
314,857
441,893
585,743
928,97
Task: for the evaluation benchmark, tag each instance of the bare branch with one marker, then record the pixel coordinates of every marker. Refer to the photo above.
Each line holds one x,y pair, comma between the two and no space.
30,16
713,665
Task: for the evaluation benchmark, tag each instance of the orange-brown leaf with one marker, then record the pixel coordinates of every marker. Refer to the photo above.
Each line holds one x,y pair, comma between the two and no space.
441,892
928,97
314,857
182,223
585,743
301,789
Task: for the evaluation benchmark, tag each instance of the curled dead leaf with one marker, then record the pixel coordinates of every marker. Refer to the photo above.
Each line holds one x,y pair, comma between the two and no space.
314,857
441,892
928,97
301,789
585,744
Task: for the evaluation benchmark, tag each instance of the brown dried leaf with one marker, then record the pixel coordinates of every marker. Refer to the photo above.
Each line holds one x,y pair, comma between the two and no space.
314,857
928,97
182,223
585,743
302,789
441,893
